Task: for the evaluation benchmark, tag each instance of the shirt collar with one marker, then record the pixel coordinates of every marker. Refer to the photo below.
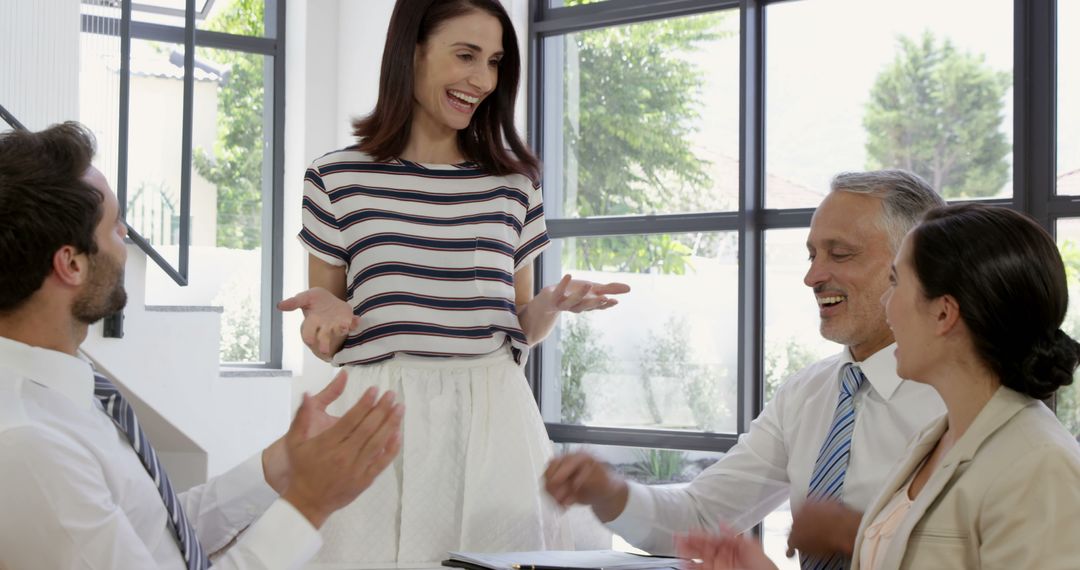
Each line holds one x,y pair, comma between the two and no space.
879,369
64,373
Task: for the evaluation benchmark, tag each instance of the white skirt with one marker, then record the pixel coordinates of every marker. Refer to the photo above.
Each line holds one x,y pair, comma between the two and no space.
468,477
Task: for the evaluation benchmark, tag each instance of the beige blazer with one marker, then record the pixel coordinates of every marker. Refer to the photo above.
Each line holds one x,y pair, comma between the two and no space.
1006,496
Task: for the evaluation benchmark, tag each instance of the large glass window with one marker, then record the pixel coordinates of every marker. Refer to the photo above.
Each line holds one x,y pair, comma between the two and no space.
244,17
636,366
644,118
1068,399
219,160
1068,111
694,185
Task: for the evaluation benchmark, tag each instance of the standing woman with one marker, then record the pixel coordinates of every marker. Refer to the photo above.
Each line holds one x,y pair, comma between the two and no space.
421,240
977,300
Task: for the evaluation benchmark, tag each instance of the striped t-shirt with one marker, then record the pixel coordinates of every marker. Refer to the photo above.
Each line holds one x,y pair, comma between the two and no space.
430,252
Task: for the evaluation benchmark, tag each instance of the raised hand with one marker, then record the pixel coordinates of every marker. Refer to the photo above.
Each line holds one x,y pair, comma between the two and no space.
580,478
577,296
275,458
331,467
327,320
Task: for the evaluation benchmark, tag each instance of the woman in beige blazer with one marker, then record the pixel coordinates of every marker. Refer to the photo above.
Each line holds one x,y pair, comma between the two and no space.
978,296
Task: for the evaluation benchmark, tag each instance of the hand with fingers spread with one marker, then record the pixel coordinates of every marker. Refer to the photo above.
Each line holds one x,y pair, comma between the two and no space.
539,315
577,296
332,462
723,551
275,458
580,478
327,320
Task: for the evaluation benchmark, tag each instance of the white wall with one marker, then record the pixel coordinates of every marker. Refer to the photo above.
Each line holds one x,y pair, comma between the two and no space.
168,360
39,60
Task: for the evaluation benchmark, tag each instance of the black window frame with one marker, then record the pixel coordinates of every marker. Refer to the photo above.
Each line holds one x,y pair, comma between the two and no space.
271,45
1034,175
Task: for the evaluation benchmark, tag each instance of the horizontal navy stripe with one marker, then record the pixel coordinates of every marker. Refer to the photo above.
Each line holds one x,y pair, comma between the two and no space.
458,245
372,360
360,216
430,273
426,354
399,168
429,329
319,213
314,178
320,245
515,194
531,246
429,302
534,214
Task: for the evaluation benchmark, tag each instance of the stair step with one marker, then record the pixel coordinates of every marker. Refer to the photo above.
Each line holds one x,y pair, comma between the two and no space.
184,309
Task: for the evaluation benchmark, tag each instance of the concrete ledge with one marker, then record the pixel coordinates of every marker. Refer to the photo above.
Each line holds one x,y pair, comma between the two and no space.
227,372
183,309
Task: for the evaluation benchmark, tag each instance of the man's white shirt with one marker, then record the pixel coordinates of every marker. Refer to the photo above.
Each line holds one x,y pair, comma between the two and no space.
775,458
73,493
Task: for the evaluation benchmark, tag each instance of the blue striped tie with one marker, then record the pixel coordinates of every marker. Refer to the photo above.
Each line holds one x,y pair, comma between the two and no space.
827,480
121,413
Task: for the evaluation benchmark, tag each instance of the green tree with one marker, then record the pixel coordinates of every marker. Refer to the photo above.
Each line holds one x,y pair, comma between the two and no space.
235,166
1068,399
938,112
783,360
239,322
638,101
665,355
656,466
582,353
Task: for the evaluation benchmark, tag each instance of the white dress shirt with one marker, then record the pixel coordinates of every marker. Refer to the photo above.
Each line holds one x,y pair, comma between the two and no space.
73,493
774,460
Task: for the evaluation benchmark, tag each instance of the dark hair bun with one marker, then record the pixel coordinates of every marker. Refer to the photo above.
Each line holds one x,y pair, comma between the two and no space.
1049,365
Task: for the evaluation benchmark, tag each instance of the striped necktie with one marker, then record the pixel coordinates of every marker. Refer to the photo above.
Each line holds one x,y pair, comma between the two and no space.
124,417
827,479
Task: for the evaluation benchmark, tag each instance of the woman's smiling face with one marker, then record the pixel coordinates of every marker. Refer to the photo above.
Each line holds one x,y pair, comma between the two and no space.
456,69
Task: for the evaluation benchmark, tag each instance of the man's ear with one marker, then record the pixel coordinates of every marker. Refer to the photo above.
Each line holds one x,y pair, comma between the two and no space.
947,314
71,266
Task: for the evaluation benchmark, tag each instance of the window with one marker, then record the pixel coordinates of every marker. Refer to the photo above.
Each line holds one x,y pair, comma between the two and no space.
1068,113
696,186
865,84
1067,182
640,130
1068,399
193,161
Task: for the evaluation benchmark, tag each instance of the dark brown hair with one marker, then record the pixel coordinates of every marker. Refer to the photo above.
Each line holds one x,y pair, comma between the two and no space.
44,205
384,133
1007,276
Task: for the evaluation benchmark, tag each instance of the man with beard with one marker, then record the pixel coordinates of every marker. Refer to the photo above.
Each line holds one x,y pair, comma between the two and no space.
832,432
80,486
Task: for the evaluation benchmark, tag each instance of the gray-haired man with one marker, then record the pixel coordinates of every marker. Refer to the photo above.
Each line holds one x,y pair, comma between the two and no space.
829,436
